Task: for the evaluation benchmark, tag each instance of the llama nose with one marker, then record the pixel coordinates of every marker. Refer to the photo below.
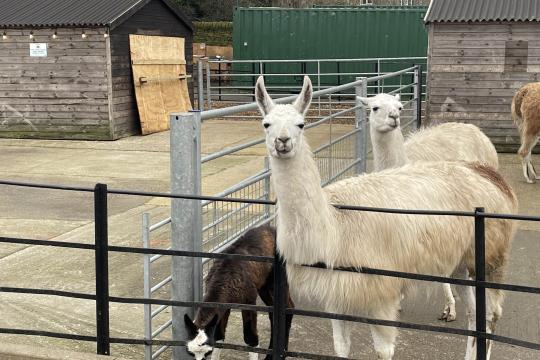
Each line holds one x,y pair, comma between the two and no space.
395,120
284,139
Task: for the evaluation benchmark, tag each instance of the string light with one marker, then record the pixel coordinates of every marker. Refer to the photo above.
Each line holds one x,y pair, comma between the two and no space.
4,36
83,35
31,36
55,35
106,34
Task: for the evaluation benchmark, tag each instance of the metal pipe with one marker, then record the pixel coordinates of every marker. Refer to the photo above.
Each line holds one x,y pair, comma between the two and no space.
419,97
102,269
185,150
480,270
334,141
161,284
200,84
157,257
159,310
162,328
253,106
361,125
160,224
147,308
208,87
320,60
160,351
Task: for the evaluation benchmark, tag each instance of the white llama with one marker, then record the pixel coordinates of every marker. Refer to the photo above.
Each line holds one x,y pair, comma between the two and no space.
527,118
447,142
311,230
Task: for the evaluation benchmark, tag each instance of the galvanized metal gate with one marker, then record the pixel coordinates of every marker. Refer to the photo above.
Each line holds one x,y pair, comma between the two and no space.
214,225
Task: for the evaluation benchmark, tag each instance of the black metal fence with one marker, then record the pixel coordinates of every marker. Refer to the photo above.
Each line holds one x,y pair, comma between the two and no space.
280,309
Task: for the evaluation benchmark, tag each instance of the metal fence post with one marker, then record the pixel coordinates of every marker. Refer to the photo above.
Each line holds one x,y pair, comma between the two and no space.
361,126
480,268
279,323
102,269
200,84
267,187
147,286
418,95
208,86
185,218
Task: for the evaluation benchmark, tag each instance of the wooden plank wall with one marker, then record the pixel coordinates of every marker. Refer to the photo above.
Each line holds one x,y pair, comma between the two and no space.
474,71
61,96
153,19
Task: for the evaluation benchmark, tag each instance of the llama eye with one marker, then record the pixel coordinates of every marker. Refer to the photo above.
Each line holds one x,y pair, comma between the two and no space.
375,108
400,108
266,125
301,126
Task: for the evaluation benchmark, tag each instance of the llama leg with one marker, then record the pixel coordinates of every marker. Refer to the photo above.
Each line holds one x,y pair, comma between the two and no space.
216,353
449,312
342,337
467,296
494,299
220,334
251,337
384,337
527,143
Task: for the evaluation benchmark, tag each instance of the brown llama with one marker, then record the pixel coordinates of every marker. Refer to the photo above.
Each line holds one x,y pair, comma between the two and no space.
236,281
526,115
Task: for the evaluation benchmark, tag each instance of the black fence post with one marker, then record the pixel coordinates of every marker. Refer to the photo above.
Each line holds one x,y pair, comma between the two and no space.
280,305
102,269
480,269
419,98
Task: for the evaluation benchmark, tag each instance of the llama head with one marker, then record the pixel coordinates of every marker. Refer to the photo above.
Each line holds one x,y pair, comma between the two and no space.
385,111
200,342
284,124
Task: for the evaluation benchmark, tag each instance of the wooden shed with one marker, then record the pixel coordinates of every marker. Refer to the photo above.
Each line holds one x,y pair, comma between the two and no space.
65,65
480,52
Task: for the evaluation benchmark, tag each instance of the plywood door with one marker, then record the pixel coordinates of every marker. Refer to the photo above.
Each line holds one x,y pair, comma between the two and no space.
159,74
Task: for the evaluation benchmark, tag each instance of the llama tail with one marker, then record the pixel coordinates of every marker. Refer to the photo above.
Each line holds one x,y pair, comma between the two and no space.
517,116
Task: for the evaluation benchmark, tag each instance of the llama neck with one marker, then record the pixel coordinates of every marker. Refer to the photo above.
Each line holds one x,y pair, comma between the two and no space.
388,149
304,215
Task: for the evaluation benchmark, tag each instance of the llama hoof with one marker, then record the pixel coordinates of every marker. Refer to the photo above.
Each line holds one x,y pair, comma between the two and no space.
449,314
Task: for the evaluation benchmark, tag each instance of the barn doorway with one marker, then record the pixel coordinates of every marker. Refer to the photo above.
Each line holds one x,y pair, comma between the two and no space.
160,79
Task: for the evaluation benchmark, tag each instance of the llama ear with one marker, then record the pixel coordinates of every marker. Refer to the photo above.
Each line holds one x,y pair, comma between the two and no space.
364,101
211,328
301,104
263,99
190,326
398,97
213,322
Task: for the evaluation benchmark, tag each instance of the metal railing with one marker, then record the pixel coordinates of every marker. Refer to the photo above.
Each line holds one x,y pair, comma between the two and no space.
343,154
102,299
231,82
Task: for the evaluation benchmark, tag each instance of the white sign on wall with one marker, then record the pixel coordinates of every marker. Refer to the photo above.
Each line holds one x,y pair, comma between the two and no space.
38,49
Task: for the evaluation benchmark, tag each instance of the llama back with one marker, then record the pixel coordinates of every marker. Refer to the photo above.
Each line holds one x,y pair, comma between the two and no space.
451,142
258,241
429,186
531,91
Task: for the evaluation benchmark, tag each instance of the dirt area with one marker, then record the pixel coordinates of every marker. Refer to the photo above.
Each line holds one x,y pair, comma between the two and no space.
142,163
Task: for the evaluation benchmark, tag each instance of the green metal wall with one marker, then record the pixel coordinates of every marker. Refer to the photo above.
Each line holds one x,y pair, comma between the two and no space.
328,33
318,33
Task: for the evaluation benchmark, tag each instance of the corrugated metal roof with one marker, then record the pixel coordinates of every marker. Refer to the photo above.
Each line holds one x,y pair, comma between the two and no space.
65,13
483,10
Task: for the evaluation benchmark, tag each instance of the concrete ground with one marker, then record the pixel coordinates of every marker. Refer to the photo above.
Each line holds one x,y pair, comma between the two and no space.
142,163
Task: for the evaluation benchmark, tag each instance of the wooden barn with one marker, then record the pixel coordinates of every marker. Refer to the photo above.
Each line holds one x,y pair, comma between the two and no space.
480,52
66,69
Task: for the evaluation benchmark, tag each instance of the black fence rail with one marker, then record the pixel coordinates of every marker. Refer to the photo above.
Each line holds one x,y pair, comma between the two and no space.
102,298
